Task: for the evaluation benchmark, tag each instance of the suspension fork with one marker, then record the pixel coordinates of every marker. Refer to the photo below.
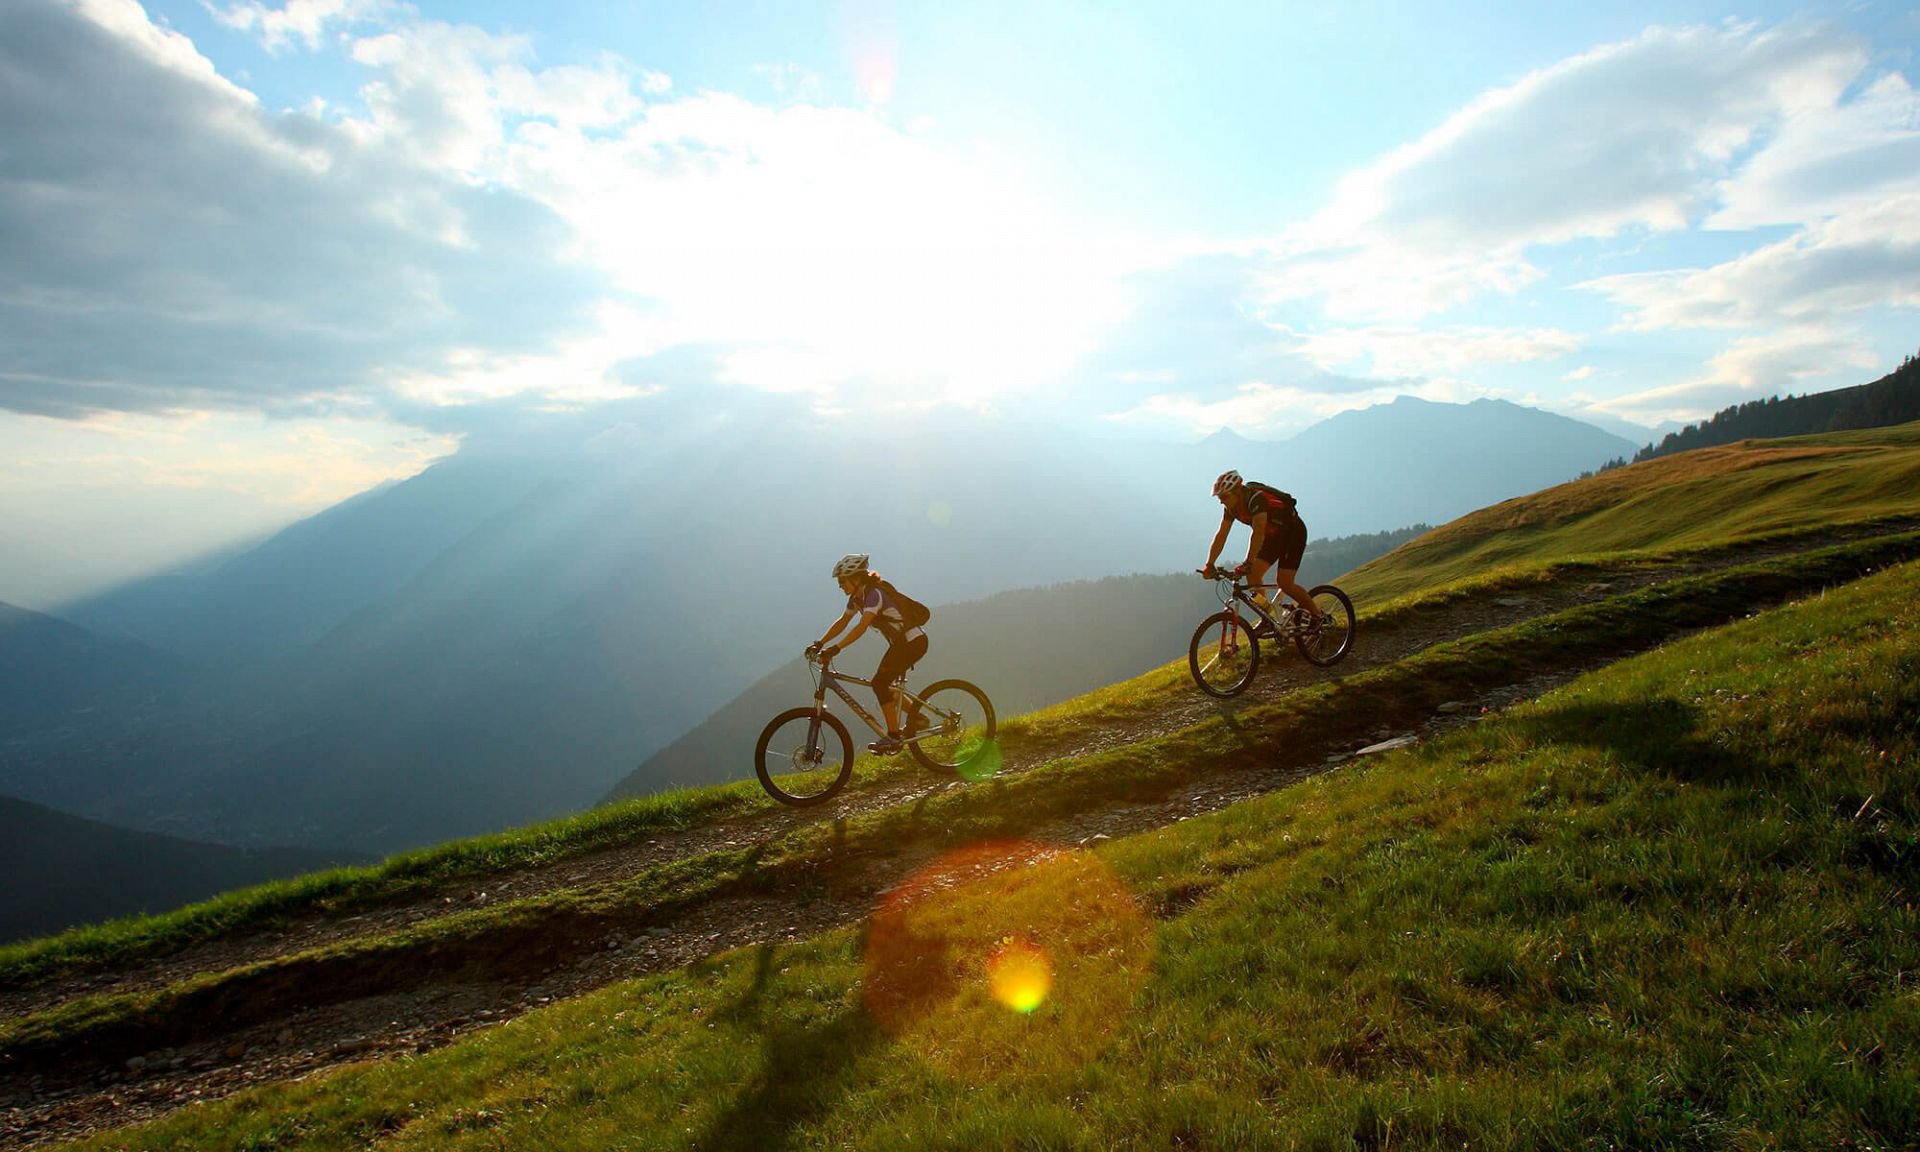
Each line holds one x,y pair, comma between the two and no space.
819,710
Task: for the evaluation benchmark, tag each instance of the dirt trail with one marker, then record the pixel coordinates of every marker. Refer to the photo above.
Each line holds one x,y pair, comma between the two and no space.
38,1106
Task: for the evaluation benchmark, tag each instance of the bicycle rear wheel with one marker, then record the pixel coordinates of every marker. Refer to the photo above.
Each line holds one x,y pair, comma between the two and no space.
960,725
1223,655
801,762
1329,637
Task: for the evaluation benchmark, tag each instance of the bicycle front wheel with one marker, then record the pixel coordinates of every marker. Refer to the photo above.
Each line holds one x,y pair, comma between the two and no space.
960,725
1223,655
804,757
1328,636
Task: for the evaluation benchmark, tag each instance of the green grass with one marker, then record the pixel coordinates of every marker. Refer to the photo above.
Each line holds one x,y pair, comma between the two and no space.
341,890
1756,488
1404,693
1670,905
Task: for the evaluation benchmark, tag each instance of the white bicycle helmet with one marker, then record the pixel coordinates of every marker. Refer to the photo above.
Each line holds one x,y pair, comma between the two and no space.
1228,481
850,565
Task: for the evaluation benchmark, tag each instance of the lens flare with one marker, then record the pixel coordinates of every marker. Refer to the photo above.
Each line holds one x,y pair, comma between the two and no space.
980,760
1020,974
1006,960
940,513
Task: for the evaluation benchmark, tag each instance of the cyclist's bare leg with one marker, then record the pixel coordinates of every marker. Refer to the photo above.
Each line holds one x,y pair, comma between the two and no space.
1284,578
1256,584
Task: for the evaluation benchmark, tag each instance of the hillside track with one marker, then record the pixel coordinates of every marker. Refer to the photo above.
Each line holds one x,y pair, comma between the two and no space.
272,1029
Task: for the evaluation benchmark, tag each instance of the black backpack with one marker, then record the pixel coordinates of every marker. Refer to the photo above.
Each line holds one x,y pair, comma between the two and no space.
1286,499
912,612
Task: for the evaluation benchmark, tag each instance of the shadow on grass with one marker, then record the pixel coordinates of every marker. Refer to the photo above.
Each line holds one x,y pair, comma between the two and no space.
809,1067
1662,736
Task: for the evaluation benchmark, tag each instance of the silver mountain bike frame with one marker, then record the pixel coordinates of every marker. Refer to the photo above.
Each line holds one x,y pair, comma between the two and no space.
834,680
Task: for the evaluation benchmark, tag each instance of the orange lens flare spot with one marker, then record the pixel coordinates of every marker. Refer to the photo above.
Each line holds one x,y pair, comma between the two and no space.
1020,974
963,956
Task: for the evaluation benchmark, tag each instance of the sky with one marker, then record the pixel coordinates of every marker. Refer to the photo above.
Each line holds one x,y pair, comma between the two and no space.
261,255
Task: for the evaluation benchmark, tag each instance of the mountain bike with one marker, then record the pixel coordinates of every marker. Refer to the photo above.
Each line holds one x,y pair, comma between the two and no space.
1225,652
805,755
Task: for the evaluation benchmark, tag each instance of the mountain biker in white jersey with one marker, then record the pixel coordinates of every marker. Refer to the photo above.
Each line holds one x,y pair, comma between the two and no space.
906,644
1279,535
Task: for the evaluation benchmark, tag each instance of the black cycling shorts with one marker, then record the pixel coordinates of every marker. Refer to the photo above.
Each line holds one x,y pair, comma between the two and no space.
895,663
1285,544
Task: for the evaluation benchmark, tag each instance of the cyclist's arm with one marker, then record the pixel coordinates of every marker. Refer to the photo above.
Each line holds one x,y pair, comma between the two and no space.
859,630
1259,534
837,625
1220,539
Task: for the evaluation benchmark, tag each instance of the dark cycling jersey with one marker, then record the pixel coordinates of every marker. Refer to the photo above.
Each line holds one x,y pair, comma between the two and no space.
885,614
1286,539
1278,506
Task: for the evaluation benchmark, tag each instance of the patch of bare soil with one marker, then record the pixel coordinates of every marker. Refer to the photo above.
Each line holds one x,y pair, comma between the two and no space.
294,1036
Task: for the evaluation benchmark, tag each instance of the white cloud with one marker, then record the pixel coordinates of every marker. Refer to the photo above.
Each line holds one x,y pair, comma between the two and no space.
1868,257
1830,159
174,247
836,252
827,242
452,95
1792,359
1633,135
1409,351
304,22
1580,373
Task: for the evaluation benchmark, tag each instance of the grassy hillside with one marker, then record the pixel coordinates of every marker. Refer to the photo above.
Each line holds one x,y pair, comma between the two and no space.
1668,905
1892,399
1802,484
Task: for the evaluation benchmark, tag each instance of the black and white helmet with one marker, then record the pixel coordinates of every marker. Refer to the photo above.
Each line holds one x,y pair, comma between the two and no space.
1228,481
852,564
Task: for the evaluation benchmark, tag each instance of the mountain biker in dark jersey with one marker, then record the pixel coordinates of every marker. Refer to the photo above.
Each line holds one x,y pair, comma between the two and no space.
1279,535
905,645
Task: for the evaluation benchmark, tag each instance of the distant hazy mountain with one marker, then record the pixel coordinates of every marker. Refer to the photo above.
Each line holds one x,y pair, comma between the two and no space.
297,586
53,672
504,636
1418,461
60,870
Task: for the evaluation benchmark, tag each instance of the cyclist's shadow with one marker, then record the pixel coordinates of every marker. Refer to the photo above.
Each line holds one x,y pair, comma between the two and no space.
1663,736
807,1068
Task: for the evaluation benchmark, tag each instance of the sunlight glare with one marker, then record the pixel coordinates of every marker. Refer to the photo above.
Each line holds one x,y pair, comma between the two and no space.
1020,974
1006,959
